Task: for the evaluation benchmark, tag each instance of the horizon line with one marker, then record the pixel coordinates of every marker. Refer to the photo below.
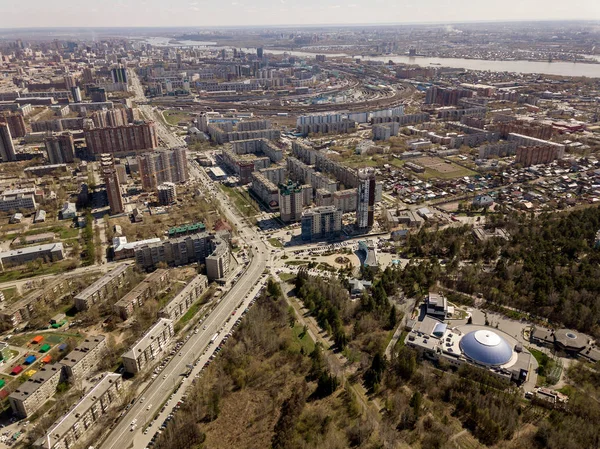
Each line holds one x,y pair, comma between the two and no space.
313,25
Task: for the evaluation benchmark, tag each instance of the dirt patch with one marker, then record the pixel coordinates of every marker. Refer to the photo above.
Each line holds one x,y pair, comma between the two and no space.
246,420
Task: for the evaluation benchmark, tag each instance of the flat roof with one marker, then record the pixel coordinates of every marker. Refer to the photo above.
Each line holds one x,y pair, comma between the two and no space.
147,339
33,249
65,423
26,389
104,280
82,350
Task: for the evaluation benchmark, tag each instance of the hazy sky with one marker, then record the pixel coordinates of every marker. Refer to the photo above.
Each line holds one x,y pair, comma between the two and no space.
48,13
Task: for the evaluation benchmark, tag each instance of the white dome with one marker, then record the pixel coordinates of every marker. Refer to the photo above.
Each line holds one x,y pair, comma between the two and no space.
486,347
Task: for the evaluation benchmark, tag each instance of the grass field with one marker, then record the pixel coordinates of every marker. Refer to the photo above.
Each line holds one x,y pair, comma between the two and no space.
174,117
285,277
303,340
243,202
24,272
9,293
275,242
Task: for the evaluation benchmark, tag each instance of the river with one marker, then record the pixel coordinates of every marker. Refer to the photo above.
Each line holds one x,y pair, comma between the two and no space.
559,68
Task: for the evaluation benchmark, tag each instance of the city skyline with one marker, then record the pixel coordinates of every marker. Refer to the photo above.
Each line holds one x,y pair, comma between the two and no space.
151,13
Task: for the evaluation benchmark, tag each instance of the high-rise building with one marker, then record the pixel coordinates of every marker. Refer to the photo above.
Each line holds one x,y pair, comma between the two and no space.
321,223
70,81
163,166
98,94
122,139
290,201
365,212
76,94
119,75
7,148
60,149
15,122
113,186
88,75
259,52
167,193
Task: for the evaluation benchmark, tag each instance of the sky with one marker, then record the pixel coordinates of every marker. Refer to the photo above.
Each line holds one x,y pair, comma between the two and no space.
168,13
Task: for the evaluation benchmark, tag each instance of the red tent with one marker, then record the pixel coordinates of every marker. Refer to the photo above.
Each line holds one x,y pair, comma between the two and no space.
16,370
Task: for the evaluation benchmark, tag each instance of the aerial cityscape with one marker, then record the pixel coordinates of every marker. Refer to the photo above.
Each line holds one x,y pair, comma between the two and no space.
356,235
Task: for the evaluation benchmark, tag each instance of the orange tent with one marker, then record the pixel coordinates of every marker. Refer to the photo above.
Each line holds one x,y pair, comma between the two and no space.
37,339
47,359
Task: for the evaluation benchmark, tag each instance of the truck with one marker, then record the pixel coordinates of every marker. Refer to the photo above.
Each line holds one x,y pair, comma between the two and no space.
214,337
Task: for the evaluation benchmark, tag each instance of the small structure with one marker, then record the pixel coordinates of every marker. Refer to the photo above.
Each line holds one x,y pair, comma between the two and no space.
16,218
483,201
436,306
40,216
68,211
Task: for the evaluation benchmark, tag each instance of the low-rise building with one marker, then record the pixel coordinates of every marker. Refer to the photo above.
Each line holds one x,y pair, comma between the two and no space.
49,253
149,347
33,393
148,288
68,430
104,287
68,211
17,201
85,357
179,305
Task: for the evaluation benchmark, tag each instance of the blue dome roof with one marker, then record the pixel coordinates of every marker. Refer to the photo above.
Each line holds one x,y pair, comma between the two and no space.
486,347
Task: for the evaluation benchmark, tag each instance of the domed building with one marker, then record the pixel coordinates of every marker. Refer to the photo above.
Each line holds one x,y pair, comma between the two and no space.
486,347
480,346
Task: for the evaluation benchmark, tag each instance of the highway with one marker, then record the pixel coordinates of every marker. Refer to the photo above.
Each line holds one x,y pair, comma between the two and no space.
159,389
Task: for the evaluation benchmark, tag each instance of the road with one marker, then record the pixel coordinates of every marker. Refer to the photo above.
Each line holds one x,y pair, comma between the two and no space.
159,390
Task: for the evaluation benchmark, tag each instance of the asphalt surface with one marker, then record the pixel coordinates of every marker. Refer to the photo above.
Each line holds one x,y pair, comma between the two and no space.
221,320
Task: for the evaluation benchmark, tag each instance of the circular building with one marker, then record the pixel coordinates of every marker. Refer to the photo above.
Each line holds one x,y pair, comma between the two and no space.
486,347
570,340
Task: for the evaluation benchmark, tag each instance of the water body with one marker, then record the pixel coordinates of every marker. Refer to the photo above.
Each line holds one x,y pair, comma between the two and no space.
548,68
166,42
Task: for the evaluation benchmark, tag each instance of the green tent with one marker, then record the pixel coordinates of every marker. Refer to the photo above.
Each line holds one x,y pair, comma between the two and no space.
45,348
2,383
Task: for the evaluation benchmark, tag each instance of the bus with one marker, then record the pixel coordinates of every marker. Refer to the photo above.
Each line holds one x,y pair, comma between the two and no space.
214,337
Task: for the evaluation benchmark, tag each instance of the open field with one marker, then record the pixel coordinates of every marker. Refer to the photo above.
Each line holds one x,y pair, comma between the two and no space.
436,167
173,117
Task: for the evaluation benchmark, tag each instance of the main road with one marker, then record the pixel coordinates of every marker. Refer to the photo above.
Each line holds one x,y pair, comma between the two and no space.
159,389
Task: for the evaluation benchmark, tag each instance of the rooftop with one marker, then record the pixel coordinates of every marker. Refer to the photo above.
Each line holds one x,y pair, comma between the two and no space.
64,424
79,353
103,281
147,339
26,389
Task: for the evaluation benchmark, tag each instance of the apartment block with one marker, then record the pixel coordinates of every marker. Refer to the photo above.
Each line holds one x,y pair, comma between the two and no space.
33,393
290,202
15,122
122,139
149,347
84,358
163,166
274,153
7,148
179,305
264,189
148,288
543,154
16,201
217,264
321,223
346,200
104,287
60,149
69,430
25,308
177,251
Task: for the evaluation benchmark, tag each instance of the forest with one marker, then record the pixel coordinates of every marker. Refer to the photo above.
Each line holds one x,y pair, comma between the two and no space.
548,267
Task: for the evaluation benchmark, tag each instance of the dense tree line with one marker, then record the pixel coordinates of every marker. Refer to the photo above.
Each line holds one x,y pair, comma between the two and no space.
548,266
